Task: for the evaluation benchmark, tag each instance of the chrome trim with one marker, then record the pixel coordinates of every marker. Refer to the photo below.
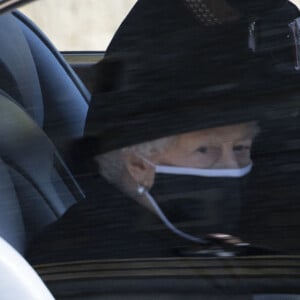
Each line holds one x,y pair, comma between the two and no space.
82,58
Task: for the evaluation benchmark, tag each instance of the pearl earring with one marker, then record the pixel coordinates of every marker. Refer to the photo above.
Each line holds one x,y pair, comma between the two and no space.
141,189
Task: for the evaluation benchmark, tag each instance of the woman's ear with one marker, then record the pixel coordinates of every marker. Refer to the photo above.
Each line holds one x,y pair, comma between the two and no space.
141,171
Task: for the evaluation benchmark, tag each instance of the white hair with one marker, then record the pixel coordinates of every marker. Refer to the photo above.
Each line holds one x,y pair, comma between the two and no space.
112,165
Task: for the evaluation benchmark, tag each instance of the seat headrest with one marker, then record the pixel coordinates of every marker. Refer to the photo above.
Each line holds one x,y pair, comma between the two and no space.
17,63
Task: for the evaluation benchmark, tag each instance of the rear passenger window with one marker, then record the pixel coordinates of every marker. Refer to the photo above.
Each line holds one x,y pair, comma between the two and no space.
79,25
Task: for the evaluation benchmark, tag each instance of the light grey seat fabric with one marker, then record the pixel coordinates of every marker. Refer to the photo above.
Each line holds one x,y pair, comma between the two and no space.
41,183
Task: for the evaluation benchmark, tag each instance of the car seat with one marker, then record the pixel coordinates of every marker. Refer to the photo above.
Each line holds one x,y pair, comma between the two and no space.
35,75
36,186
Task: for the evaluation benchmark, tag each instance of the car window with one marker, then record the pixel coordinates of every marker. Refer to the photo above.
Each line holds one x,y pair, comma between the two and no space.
198,154
297,2
79,25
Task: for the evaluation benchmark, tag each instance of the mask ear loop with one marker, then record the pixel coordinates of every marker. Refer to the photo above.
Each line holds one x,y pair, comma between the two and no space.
142,191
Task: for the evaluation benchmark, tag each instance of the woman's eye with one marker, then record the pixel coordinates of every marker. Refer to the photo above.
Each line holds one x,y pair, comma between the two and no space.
202,150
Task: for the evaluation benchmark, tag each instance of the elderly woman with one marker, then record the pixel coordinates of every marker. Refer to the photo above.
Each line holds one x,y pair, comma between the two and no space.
208,154
168,131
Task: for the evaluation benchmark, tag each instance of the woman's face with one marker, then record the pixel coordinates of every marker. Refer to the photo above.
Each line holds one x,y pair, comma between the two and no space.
226,147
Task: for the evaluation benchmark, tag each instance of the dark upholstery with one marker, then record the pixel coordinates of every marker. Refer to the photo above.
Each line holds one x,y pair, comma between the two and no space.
11,221
35,176
40,97
34,73
18,73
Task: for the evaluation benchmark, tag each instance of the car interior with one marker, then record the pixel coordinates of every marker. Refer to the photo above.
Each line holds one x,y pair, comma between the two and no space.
43,105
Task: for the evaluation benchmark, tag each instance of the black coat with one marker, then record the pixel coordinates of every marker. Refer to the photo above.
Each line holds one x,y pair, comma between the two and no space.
110,225
106,225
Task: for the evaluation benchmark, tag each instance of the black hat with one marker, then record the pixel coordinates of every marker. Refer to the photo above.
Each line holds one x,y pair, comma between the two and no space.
173,68
256,8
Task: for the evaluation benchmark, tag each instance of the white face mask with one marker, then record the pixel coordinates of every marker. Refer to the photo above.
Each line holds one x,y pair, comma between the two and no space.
175,170
235,173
